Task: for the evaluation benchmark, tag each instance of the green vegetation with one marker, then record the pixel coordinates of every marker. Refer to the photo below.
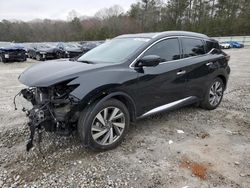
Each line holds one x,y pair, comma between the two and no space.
212,17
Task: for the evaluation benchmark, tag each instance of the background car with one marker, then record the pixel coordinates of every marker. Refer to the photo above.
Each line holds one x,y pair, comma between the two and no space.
234,44
69,50
86,46
225,45
10,52
43,51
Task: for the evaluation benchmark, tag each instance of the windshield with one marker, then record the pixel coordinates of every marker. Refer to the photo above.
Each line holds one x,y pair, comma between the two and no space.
114,51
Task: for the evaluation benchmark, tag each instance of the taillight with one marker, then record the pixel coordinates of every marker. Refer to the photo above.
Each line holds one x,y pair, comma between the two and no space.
227,57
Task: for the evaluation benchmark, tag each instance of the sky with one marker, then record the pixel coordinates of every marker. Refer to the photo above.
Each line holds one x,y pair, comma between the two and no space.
27,10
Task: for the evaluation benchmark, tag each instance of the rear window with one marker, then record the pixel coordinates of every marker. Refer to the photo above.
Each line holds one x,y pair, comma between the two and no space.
192,47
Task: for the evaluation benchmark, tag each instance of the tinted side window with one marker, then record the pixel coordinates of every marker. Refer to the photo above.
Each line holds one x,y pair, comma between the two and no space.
211,44
167,49
192,47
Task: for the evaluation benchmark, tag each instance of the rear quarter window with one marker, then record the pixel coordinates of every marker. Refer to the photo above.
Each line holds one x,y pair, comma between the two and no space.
210,45
192,47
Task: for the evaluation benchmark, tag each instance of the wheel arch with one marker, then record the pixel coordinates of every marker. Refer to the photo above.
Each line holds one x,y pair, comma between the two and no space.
122,96
224,80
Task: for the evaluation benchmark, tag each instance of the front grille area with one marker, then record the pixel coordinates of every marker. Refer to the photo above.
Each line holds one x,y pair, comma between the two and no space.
16,54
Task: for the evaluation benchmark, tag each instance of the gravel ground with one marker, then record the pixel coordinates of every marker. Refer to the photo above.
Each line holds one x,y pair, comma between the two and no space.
213,151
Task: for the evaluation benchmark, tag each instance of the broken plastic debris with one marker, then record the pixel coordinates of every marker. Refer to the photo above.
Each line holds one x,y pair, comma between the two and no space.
180,131
228,131
185,187
170,142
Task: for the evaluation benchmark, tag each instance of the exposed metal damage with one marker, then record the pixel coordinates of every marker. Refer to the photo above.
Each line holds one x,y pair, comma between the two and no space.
54,110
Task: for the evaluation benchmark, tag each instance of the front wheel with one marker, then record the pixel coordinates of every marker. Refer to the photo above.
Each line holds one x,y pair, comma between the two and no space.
2,60
103,126
39,57
213,95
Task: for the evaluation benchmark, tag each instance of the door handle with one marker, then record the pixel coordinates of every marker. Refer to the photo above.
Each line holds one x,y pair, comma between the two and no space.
210,63
181,72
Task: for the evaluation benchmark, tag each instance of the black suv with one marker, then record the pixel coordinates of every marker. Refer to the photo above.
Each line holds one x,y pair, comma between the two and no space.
69,50
129,77
43,51
12,53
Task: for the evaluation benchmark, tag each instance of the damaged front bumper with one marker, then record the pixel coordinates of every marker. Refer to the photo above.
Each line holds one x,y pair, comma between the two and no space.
54,110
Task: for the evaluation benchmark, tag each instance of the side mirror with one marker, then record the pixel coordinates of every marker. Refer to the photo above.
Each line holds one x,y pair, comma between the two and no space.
149,61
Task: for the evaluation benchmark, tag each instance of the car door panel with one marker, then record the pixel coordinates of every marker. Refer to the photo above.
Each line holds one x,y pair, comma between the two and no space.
161,85
199,66
201,73
165,83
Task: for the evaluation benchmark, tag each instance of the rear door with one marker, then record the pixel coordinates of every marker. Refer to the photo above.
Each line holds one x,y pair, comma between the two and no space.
200,65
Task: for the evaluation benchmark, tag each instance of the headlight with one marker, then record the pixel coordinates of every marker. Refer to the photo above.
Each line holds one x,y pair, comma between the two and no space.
6,56
63,90
67,52
43,52
41,95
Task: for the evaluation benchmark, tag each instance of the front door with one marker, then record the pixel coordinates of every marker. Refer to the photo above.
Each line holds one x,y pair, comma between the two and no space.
164,83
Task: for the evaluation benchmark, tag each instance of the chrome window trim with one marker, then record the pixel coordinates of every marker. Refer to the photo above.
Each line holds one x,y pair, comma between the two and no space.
164,38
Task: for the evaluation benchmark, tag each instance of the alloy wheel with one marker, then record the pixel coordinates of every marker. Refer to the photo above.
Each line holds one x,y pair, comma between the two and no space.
38,57
215,93
108,126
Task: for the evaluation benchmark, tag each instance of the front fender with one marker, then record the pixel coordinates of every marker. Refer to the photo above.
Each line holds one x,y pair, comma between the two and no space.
99,81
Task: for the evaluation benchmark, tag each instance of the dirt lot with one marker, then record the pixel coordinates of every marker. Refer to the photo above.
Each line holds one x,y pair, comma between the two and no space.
213,151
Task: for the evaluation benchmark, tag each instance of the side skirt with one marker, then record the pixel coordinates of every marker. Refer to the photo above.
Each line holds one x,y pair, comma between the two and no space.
170,106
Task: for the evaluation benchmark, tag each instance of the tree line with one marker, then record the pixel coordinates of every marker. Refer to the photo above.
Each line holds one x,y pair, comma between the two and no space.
211,17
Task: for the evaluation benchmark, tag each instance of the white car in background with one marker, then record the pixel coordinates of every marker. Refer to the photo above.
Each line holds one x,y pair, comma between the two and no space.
225,45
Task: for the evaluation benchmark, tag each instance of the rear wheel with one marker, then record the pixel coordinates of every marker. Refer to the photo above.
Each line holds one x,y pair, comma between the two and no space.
214,95
103,126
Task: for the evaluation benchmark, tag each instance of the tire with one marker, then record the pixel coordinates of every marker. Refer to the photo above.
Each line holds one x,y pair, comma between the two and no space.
2,60
97,135
59,55
24,59
38,57
214,95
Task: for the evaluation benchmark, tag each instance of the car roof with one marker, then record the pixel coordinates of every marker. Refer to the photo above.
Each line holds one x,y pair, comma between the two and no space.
164,34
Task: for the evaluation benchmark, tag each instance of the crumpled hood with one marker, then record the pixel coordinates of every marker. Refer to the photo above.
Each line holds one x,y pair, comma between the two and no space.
48,73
